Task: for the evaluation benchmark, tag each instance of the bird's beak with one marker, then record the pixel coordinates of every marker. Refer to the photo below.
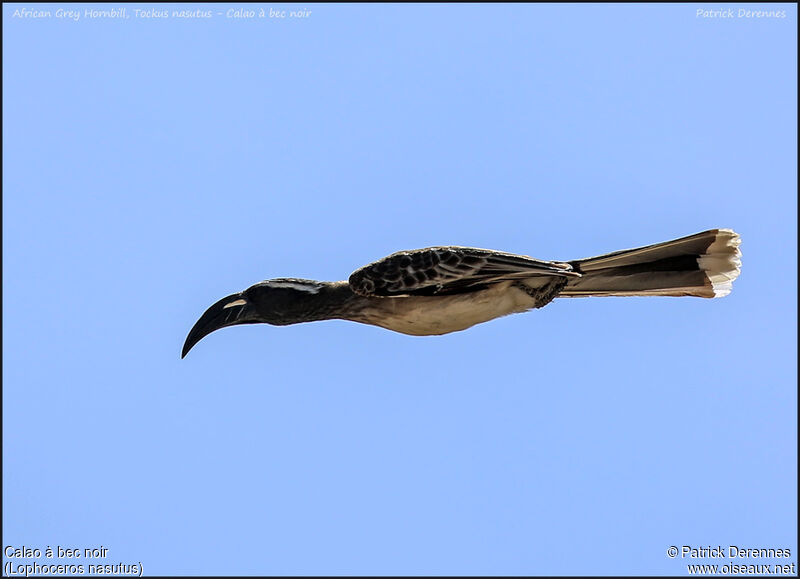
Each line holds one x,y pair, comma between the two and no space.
229,311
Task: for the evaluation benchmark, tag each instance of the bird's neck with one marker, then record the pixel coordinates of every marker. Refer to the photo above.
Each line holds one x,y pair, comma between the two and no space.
334,301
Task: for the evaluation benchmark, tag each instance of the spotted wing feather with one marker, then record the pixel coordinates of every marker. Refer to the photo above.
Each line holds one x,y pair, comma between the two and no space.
447,270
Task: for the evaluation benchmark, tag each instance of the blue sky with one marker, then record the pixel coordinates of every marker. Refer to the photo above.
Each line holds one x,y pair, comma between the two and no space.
152,166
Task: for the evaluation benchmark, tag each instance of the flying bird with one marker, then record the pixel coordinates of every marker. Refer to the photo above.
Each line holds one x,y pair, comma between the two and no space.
438,290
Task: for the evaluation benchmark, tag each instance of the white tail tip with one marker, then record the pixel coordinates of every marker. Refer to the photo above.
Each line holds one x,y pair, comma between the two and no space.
722,261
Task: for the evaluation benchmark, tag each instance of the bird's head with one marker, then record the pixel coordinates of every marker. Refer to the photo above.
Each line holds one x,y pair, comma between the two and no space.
279,302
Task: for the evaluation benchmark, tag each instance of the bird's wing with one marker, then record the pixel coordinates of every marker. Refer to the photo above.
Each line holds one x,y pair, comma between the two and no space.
448,270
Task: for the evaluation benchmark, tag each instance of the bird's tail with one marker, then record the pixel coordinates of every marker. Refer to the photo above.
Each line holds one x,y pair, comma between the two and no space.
702,265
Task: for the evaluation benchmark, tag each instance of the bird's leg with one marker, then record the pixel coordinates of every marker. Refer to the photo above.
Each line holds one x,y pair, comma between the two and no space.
545,294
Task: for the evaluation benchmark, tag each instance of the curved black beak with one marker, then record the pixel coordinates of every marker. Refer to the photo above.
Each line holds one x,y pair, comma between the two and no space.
229,311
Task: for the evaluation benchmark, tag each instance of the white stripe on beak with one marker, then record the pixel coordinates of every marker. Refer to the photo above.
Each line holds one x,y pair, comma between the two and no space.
239,302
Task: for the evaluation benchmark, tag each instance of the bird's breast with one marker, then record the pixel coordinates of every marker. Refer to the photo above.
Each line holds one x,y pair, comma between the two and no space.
436,315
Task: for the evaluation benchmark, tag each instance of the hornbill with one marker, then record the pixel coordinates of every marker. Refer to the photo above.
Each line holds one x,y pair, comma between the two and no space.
438,290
